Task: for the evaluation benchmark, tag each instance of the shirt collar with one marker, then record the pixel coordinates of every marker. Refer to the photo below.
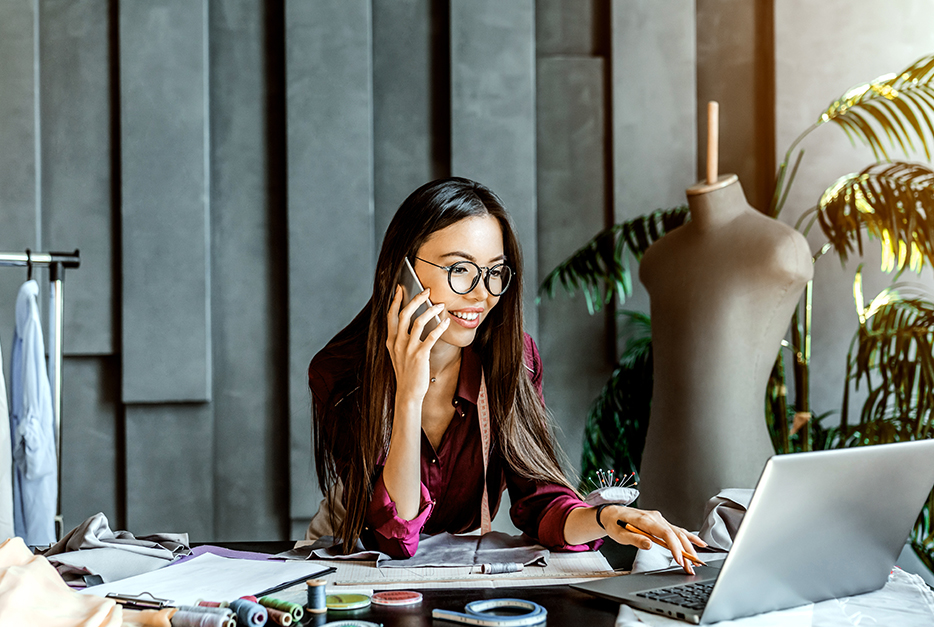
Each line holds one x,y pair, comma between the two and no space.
468,381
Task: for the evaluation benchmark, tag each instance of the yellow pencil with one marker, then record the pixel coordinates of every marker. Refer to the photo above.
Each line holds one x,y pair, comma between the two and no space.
657,541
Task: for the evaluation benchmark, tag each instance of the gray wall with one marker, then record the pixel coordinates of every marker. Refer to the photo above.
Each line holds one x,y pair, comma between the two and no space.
228,167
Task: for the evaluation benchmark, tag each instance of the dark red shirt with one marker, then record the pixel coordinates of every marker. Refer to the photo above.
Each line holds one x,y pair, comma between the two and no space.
452,475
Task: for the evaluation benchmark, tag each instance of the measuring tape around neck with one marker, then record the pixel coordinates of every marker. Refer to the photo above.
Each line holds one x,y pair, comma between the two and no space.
483,411
479,613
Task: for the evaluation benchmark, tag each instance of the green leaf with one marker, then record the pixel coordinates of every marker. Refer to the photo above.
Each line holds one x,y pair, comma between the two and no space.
600,268
896,104
893,202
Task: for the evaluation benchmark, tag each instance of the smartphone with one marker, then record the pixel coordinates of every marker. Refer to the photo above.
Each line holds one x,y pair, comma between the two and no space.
411,287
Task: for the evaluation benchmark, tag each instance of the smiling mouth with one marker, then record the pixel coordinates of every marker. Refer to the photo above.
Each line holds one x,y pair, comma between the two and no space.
465,316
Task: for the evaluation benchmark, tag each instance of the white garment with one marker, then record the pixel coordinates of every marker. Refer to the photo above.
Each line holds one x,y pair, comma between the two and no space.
32,426
6,464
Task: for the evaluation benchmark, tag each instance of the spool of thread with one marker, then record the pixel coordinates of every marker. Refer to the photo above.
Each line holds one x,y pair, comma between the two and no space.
285,606
279,617
203,609
182,618
204,603
317,596
249,614
500,568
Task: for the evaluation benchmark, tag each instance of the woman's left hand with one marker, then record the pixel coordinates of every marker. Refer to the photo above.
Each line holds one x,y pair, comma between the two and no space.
680,541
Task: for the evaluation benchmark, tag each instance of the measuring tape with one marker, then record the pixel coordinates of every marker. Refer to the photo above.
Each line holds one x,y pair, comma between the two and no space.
479,613
483,409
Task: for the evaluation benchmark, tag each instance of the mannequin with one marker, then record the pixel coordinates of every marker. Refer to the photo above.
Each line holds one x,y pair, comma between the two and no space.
723,288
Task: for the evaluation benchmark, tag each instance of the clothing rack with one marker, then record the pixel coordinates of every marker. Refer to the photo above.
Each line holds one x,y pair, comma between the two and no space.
56,263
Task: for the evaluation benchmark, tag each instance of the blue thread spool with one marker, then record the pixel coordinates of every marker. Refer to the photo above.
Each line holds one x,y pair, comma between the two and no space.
317,596
249,613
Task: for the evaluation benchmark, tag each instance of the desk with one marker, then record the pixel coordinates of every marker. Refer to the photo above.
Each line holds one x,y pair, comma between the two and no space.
565,605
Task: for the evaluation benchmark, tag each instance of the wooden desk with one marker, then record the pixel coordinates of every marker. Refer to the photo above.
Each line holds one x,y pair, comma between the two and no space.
565,605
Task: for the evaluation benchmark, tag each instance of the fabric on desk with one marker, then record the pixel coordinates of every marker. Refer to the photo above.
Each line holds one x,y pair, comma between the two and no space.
443,549
32,426
32,593
722,516
7,528
92,548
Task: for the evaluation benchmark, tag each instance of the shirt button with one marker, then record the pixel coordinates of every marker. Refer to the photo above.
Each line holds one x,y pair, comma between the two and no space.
455,402
434,461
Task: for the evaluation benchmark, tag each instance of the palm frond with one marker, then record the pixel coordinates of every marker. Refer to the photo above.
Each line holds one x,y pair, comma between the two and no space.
600,268
618,420
898,105
892,354
893,203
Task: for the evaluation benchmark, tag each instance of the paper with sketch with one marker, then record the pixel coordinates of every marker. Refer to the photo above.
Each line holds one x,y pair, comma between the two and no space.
210,577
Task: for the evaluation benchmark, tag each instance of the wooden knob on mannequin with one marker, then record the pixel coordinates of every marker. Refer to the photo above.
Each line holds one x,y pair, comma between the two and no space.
713,140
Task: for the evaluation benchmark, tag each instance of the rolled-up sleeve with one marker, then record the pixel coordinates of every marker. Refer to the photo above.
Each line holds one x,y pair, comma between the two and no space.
541,510
393,535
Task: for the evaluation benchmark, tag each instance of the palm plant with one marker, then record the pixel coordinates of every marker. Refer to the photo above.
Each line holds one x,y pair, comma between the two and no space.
892,352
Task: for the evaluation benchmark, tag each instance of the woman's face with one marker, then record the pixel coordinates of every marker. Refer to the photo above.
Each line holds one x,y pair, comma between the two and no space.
478,239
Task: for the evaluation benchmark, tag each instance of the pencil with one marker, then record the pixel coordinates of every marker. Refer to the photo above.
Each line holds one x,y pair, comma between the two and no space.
657,541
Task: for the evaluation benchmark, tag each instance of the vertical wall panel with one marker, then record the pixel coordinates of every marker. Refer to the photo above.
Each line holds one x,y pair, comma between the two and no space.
493,113
654,124
654,110
402,104
571,209
330,198
164,154
76,163
18,168
91,453
169,470
249,338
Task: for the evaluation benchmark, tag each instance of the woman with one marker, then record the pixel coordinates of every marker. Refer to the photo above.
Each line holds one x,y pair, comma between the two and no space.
398,418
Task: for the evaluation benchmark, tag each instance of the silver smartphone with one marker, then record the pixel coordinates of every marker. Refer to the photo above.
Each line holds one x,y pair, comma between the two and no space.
411,287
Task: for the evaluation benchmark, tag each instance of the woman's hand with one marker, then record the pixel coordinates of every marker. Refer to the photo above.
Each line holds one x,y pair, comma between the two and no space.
679,541
408,352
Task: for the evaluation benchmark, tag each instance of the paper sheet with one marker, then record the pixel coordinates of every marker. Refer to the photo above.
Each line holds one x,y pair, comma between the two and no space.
211,577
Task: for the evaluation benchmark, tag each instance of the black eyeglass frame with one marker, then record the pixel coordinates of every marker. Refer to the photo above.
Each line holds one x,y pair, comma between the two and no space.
481,271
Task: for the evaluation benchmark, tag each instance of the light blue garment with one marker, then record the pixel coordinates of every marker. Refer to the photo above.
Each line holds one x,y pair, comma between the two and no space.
32,426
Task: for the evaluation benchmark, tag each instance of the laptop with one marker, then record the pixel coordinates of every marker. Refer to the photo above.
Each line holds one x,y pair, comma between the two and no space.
820,525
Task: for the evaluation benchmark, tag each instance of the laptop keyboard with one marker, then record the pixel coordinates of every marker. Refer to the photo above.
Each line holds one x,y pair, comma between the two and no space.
690,595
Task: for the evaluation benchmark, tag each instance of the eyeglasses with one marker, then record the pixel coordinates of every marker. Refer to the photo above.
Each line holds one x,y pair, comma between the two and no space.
464,276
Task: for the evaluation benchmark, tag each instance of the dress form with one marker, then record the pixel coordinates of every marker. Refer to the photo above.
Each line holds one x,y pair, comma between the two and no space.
723,288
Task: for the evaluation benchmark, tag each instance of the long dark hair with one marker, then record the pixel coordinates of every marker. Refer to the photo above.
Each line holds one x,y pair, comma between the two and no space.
352,426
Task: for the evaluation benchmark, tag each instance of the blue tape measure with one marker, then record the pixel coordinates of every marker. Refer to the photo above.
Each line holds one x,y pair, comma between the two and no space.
482,613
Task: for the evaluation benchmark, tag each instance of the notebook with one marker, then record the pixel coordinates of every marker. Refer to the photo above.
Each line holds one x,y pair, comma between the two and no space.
821,525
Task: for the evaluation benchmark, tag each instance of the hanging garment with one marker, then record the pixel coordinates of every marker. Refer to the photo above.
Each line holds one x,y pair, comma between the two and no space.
32,427
6,464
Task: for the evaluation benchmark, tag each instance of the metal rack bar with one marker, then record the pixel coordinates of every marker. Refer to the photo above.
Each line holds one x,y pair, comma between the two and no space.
56,262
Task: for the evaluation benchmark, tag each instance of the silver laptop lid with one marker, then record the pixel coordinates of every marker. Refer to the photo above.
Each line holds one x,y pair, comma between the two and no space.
822,525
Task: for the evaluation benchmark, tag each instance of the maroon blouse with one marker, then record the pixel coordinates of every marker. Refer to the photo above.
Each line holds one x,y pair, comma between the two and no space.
452,475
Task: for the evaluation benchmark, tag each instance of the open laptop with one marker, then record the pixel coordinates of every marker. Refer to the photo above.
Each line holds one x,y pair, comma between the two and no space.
820,525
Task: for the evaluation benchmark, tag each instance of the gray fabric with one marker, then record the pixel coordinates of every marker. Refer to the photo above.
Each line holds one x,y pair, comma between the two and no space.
108,564
93,548
722,517
443,549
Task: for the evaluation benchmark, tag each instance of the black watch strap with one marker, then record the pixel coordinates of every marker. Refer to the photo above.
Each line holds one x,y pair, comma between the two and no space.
599,511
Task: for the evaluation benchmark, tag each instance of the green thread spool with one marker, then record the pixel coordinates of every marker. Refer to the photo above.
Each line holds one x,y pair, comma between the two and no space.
285,606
